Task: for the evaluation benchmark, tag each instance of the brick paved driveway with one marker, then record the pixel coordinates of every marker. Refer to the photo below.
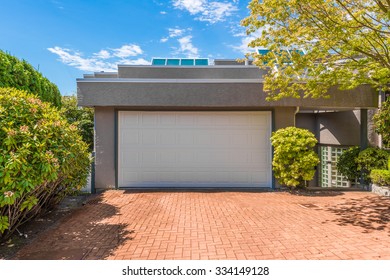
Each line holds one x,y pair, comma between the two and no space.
220,225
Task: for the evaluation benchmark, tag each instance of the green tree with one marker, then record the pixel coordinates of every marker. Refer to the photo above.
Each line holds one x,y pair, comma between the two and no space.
317,44
294,159
82,117
382,122
21,75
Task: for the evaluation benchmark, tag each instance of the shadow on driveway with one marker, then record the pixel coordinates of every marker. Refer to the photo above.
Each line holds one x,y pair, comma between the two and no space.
372,213
93,231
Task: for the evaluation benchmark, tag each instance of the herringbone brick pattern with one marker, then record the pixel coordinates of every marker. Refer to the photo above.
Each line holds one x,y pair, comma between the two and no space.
220,225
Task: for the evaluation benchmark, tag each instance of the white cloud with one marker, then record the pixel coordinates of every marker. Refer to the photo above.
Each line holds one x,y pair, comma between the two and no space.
174,32
163,12
103,54
127,50
243,46
207,11
186,47
245,40
103,60
138,61
192,6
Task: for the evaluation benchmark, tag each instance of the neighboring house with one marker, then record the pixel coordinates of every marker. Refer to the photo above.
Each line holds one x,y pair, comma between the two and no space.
170,125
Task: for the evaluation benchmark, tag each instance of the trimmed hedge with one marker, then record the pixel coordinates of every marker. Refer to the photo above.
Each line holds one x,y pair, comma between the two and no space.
42,158
294,160
21,75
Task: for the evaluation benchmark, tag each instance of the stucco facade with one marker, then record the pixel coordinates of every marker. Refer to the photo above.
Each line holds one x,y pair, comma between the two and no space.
334,121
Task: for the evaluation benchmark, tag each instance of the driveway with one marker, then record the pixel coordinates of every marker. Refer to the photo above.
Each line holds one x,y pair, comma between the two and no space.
127,225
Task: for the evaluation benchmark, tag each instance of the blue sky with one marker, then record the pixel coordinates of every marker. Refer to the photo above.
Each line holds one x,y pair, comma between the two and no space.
66,38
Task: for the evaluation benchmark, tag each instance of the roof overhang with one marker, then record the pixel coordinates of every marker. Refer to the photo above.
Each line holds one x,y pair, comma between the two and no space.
248,93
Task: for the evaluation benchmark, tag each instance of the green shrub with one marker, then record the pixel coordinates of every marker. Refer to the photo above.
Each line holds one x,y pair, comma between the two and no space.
347,165
81,117
382,122
380,177
294,160
369,159
21,75
42,158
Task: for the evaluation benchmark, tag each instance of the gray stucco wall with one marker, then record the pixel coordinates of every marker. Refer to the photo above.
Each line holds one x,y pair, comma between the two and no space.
104,147
200,93
339,128
307,121
189,72
284,117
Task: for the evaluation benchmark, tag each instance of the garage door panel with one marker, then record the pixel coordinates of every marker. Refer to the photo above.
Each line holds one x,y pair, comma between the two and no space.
168,139
213,149
131,136
185,119
167,120
129,177
241,177
212,157
149,119
167,157
261,176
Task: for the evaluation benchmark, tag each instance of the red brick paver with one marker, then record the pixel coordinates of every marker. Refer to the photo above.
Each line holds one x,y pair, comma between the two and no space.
220,225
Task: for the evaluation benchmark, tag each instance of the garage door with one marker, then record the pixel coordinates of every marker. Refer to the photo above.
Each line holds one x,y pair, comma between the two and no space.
194,149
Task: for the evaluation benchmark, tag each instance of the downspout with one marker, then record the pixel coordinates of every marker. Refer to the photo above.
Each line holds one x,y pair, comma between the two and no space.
363,135
380,97
93,189
296,112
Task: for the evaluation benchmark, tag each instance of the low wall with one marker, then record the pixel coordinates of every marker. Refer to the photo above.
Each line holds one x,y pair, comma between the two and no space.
381,190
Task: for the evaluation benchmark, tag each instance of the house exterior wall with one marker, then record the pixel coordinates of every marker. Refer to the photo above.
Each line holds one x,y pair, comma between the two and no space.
339,128
206,93
308,121
190,72
202,86
221,87
104,147
283,117
105,140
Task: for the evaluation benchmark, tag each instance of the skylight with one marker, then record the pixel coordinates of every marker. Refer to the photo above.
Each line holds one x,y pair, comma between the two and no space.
180,61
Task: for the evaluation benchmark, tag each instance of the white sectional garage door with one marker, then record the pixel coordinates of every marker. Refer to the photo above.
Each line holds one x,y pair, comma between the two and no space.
194,149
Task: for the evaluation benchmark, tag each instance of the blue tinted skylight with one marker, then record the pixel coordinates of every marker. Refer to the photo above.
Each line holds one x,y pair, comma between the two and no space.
173,61
186,61
201,61
180,61
263,52
158,61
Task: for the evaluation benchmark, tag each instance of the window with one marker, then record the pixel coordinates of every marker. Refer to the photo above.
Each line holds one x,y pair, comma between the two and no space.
329,176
